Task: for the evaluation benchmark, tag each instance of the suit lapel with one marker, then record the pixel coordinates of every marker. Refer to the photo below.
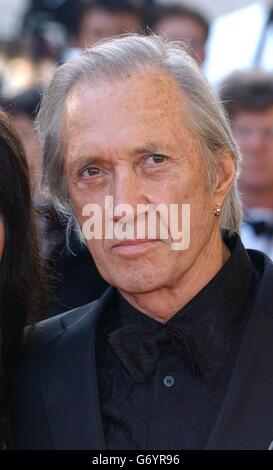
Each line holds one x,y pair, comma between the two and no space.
246,417
69,383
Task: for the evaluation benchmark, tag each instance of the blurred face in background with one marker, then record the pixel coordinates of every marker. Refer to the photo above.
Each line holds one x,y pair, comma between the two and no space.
253,132
2,236
187,30
100,24
129,23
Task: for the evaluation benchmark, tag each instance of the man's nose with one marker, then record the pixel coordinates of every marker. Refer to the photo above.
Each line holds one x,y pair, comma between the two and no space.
127,189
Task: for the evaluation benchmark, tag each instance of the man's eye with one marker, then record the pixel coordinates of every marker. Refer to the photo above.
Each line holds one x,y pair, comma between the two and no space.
155,159
90,171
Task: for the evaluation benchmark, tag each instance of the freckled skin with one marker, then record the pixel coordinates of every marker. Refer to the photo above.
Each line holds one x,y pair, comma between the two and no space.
104,124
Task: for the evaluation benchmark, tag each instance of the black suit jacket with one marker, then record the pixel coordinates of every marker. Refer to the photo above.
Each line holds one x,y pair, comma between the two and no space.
55,401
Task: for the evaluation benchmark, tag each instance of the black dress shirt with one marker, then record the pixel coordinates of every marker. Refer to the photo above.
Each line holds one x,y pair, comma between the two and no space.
161,386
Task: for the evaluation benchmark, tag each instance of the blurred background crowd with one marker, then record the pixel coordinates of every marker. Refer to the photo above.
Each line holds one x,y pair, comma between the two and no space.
231,40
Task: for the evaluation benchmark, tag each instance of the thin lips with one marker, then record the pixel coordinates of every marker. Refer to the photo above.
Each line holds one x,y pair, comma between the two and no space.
134,242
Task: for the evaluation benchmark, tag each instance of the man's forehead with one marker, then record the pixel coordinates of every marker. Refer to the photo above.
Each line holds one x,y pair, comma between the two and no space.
155,88
124,115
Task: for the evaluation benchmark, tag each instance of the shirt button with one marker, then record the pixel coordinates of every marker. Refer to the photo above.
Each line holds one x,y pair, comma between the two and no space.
168,381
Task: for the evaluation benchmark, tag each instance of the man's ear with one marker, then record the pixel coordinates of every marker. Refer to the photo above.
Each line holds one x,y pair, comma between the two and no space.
225,175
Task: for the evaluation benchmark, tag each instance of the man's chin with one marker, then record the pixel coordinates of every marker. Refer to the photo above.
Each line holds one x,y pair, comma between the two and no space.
131,285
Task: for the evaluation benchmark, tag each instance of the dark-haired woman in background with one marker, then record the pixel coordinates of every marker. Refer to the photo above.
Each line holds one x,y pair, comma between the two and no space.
21,279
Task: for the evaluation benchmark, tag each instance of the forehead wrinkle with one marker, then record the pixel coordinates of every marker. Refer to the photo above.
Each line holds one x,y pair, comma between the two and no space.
163,92
158,103
81,160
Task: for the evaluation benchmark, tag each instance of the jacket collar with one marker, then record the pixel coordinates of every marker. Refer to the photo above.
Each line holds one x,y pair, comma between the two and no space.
69,382
246,417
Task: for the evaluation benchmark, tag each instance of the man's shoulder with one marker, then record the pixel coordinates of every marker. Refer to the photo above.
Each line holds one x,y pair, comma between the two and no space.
47,330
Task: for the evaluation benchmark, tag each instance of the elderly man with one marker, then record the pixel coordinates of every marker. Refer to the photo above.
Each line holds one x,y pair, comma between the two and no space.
175,354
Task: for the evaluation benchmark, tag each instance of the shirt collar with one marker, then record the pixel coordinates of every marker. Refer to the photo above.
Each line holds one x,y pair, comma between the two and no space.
213,316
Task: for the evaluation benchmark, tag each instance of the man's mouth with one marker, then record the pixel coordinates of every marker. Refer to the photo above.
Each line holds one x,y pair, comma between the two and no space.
134,247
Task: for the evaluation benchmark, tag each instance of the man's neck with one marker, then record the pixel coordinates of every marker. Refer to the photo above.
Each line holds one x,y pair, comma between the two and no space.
257,197
163,303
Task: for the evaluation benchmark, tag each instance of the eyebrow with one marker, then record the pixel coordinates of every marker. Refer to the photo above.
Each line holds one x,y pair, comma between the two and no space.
147,148
82,160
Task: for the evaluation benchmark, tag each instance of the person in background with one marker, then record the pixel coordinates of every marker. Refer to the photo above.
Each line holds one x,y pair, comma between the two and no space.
248,99
100,19
22,283
182,23
75,279
63,12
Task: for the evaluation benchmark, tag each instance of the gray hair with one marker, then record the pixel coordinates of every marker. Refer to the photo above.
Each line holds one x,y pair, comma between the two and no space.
112,60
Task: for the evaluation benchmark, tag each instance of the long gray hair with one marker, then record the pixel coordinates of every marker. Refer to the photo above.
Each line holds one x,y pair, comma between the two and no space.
112,60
